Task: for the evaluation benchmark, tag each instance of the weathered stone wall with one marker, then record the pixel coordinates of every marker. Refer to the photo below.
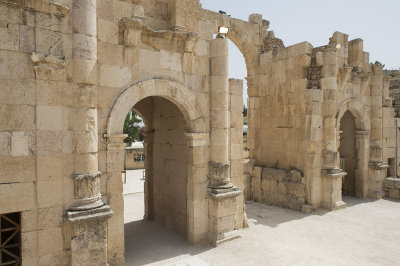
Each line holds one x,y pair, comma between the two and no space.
285,188
391,187
36,147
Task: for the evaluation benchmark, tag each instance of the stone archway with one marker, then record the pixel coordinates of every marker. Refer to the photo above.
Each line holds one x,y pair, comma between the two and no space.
171,90
348,110
195,139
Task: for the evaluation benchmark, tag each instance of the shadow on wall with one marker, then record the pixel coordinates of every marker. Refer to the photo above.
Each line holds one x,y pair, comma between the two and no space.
148,242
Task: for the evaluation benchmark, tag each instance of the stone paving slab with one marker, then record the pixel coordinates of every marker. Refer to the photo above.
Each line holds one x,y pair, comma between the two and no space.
365,233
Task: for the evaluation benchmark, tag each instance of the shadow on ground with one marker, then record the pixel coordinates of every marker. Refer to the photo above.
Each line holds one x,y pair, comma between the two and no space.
273,216
149,242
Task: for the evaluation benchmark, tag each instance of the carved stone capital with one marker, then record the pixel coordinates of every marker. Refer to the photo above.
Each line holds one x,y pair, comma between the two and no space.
87,191
218,175
330,158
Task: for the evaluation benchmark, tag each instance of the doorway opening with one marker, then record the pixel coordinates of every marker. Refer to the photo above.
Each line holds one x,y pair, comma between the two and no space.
159,203
348,153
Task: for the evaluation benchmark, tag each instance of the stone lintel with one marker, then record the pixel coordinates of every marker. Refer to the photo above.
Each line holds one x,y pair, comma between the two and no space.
101,213
378,165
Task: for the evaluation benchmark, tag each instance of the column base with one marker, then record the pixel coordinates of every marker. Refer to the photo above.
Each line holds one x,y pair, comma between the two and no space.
222,215
88,236
332,188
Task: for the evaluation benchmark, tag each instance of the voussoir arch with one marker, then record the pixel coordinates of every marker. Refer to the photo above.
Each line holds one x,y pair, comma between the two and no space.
357,110
170,90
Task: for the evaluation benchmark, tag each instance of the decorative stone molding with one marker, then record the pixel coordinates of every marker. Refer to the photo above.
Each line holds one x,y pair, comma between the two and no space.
101,213
363,134
115,142
378,165
48,67
175,41
41,6
87,191
333,172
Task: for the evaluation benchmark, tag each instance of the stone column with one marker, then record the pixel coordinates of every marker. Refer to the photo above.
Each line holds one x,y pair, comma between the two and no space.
176,15
222,193
376,164
87,215
331,174
114,187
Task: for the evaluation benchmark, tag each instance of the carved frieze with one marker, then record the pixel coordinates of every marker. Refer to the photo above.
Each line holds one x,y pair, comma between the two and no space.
158,39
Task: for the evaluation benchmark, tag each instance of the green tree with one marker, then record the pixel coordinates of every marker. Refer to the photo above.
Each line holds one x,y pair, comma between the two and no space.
131,127
244,111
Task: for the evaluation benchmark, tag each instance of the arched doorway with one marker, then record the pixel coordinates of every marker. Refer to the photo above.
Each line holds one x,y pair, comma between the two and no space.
348,153
353,135
175,146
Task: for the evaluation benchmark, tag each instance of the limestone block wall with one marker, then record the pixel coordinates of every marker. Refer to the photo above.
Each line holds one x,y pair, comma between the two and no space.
294,119
285,188
170,171
35,149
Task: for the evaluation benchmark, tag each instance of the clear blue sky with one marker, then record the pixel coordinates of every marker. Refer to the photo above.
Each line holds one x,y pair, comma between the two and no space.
377,22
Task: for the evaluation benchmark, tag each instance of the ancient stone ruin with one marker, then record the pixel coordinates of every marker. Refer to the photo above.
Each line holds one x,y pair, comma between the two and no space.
320,123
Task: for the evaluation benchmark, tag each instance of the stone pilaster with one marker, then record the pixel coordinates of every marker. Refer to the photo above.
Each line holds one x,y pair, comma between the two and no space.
114,166
362,144
198,144
222,193
377,167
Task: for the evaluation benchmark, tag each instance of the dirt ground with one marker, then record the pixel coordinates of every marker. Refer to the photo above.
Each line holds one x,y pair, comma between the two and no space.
365,233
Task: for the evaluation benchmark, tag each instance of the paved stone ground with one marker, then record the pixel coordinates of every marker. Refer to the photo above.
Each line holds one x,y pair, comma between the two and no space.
365,233
134,181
